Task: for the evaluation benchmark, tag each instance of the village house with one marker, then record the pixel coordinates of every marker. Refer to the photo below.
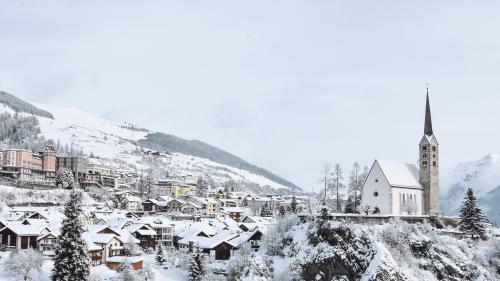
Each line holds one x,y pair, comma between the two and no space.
15,235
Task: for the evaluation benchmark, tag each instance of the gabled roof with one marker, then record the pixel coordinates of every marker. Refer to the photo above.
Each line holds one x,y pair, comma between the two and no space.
400,174
25,230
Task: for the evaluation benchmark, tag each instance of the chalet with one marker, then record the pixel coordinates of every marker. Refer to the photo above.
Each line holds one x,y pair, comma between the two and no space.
131,203
105,238
253,237
233,212
20,236
191,208
144,233
174,205
47,243
164,229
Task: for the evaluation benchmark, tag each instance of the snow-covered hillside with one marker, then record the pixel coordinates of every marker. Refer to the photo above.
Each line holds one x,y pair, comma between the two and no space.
483,176
117,145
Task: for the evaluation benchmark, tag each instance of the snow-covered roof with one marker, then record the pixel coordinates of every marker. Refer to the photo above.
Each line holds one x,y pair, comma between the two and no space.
400,174
26,230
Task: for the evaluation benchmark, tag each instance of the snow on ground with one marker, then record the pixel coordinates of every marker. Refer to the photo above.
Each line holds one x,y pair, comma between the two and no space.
10,195
103,272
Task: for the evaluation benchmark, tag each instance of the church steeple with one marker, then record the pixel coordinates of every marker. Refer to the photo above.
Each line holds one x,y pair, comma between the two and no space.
429,165
428,119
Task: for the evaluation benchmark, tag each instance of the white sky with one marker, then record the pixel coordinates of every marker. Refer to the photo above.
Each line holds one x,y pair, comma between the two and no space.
287,85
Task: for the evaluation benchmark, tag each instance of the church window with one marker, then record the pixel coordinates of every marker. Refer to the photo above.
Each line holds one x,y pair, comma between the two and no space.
433,163
375,193
434,156
424,163
424,155
424,147
434,148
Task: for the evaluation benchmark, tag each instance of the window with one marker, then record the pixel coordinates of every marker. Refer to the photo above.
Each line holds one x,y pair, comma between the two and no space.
376,180
434,163
424,147
375,193
424,155
434,148
424,163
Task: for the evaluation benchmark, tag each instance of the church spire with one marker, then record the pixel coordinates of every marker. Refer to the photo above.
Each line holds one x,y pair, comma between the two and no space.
428,119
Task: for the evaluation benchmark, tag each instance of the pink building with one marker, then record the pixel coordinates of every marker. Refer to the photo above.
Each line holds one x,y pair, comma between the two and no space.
27,166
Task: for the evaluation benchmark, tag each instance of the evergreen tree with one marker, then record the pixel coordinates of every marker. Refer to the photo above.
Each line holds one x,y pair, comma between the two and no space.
472,218
197,265
265,211
324,213
282,211
293,205
160,254
71,261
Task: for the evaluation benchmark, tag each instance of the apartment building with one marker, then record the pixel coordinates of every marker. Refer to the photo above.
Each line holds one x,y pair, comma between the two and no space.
28,166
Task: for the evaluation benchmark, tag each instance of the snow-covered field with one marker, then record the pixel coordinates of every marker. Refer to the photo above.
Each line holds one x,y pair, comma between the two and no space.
100,272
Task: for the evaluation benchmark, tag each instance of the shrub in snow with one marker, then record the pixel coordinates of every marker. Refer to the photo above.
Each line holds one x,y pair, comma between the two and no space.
132,249
71,261
64,178
278,237
247,266
24,264
335,251
472,218
127,273
147,274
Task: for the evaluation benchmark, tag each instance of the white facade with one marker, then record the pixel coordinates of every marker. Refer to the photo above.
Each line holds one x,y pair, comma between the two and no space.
393,189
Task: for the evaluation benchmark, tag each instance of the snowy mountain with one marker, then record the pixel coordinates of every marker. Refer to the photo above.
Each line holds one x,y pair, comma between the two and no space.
120,145
483,176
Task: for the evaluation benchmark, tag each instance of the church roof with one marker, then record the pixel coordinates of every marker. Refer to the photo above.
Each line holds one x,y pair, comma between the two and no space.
400,174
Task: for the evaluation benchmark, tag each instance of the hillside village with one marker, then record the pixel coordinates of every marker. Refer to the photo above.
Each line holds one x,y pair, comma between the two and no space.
131,218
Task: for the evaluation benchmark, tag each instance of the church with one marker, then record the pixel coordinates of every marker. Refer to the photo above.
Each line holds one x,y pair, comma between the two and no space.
395,188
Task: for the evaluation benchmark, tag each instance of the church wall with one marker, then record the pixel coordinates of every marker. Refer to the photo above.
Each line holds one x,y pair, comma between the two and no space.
397,201
376,182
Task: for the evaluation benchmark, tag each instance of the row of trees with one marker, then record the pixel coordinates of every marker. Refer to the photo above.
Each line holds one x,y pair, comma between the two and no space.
344,197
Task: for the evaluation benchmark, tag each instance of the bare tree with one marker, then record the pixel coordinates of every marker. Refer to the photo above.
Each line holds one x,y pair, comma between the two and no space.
325,178
338,182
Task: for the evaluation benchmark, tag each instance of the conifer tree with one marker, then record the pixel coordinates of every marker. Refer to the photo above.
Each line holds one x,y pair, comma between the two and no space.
282,211
160,254
71,261
293,205
472,218
197,265
265,211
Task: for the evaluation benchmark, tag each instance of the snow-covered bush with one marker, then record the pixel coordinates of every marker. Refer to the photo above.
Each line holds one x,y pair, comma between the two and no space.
279,237
64,178
24,264
334,251
246,265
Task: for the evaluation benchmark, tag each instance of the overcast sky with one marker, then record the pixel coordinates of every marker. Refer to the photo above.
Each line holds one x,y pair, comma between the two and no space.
287,85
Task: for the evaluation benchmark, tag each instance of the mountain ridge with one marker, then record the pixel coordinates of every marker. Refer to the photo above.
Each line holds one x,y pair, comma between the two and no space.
119,142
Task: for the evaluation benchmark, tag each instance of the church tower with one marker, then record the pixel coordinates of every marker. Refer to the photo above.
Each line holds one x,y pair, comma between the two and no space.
429,165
